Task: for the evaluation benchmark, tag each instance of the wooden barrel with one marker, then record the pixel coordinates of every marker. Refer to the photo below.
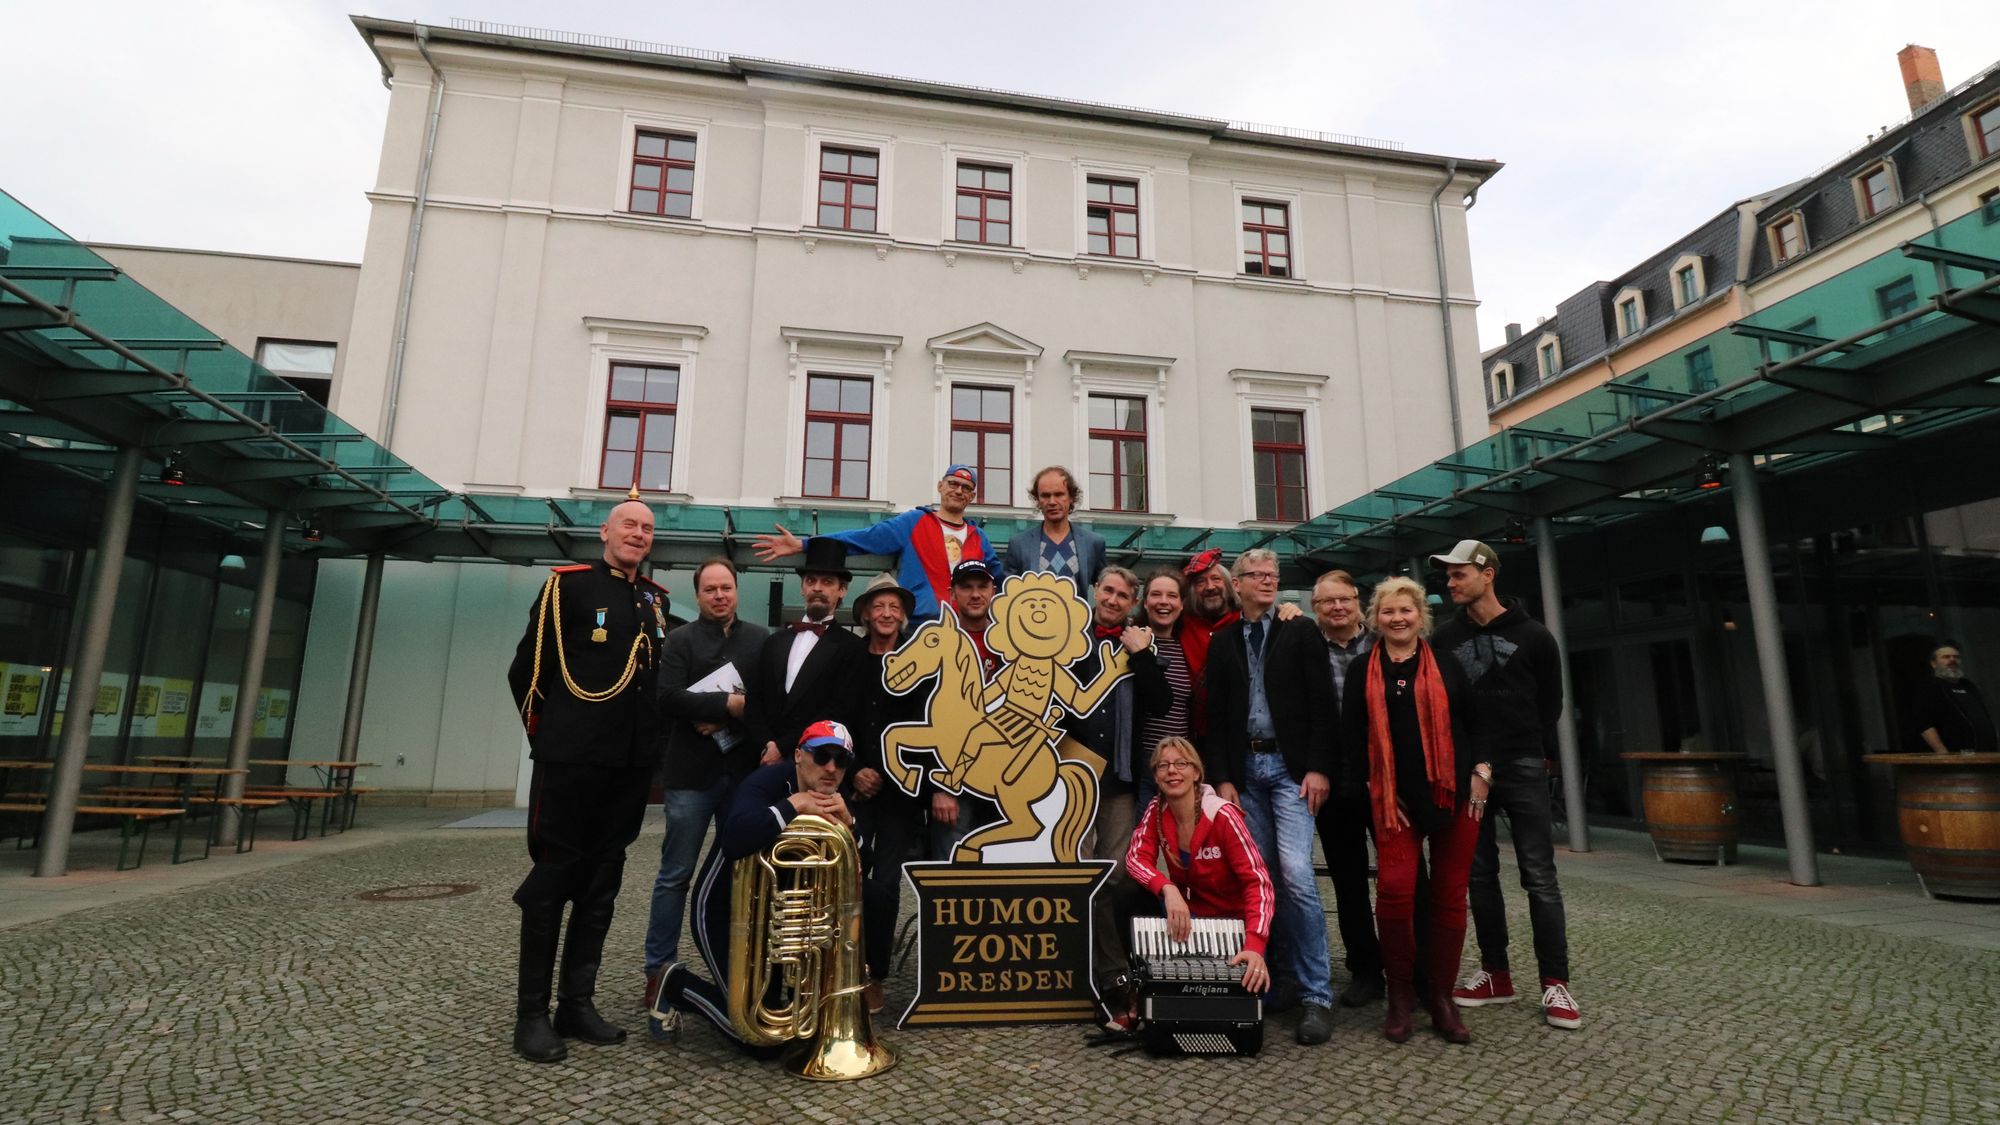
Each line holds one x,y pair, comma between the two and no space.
1691,810
1951,825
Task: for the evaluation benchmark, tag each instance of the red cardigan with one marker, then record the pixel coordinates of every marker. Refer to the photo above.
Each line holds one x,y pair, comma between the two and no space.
1226,877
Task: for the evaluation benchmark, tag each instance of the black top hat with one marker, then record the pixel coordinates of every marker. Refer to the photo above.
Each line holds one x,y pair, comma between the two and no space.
826,556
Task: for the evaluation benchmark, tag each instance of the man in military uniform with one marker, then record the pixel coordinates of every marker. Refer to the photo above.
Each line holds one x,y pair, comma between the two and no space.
583,679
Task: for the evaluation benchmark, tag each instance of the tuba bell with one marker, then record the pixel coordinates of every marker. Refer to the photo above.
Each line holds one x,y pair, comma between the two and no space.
795,967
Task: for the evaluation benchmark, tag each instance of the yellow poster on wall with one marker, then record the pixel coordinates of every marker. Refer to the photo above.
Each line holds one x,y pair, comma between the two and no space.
176,697
22,689
274,710
217,710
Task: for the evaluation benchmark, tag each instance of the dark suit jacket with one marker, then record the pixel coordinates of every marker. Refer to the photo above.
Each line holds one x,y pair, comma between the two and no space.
832,684
1024,553
1298,686
693,760
619,732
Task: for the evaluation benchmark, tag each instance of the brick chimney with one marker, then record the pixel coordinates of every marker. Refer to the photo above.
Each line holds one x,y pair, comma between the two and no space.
1922,80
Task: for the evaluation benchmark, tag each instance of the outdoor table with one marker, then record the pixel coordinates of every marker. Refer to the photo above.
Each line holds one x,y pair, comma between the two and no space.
335,777
1690,802
184,779
1948,806
9,765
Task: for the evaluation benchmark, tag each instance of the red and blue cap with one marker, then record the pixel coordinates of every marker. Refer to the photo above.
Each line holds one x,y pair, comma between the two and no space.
966,473
826,732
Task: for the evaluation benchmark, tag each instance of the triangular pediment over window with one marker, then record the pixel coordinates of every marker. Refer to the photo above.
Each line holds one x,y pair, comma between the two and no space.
986,339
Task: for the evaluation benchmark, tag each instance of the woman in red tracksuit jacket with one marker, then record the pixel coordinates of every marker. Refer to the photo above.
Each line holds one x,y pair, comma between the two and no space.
1212,868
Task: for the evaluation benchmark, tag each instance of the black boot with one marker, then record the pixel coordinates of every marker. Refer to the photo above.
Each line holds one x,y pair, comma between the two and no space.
589,922
534,1038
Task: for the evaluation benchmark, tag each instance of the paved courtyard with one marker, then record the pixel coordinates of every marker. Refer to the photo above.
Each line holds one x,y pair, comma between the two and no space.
268,991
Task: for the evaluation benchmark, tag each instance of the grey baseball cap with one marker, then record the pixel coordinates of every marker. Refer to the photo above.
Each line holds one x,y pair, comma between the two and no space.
1468,551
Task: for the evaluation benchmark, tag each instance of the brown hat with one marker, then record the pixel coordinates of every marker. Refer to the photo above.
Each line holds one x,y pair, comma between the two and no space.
884,583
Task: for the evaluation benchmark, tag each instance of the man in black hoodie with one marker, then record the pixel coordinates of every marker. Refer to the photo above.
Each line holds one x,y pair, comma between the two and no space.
1516,676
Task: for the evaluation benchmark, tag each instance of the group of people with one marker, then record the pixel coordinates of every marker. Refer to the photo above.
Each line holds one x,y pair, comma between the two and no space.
1245,729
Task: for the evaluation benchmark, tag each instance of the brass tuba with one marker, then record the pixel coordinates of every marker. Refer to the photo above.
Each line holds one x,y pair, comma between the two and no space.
795,928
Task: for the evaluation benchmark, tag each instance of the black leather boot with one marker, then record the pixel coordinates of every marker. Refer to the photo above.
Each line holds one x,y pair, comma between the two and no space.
589,922
534,1038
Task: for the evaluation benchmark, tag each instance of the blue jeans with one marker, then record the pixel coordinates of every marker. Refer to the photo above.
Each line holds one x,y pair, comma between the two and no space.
1283,830
688,813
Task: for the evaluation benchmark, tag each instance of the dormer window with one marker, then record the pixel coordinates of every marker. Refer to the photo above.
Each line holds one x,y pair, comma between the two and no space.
1788,237
1548,353
1631,306
1982,130
1500,383
1875,189
1689,283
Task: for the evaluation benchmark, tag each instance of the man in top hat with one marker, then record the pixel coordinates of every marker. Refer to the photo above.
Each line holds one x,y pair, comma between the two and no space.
926,542
583,681
886,819
811,670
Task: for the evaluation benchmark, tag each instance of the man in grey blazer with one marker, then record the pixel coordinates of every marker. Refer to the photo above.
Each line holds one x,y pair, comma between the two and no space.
1057,546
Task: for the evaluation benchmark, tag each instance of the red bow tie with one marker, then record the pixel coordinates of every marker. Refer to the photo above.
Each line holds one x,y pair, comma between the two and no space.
1108,632
816,628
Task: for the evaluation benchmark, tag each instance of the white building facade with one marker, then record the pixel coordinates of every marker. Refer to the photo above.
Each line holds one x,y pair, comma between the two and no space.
739,283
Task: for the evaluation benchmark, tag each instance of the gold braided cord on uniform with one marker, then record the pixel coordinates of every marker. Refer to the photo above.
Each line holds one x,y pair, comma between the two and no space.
551,605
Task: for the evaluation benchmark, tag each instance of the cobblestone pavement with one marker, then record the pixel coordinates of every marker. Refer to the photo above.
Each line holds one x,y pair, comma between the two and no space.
276,995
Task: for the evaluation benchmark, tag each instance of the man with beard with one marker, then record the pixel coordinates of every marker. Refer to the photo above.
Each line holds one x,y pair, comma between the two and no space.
813,669
1058,546
1212,608
925,542
1951,714
583,679
1516,674
758,813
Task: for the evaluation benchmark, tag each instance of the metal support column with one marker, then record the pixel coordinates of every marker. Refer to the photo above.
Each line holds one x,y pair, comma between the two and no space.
364,647
255,646
60,818
1552,617
1770,637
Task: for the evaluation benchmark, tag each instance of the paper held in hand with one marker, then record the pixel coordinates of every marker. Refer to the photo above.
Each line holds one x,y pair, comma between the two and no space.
728,681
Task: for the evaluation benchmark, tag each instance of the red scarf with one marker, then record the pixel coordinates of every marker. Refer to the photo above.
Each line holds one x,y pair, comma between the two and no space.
1433,726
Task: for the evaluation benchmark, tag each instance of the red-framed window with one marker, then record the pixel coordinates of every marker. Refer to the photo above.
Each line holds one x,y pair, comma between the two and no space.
1788,238
662,174
1878,190
1986,129
848,181
639,424
985,204
1278,461
1118,452
840,424
1267,239
1111,217
982,435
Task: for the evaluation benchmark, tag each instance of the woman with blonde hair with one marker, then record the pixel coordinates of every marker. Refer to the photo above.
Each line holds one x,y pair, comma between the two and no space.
1412,742
1193,853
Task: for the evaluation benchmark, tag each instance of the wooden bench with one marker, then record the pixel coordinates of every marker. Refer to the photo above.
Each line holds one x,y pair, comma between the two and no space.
246,825
302,800
128,817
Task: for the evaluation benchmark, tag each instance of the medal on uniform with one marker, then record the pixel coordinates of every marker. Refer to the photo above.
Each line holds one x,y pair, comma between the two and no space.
598,634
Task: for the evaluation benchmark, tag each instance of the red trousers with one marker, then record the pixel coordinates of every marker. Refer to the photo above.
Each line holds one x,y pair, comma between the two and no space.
1397,853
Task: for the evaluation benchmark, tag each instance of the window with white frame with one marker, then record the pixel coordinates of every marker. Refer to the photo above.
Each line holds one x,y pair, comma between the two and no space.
1267,238
638,391
1689,280
1631,305
1500,382
1548,353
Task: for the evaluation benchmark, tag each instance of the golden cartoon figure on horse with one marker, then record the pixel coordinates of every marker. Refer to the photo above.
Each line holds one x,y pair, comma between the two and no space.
999,740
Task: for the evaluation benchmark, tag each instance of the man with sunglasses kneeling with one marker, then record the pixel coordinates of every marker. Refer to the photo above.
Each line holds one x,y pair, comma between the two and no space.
765,802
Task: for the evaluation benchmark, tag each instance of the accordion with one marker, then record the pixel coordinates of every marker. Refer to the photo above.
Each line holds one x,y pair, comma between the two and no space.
1191,999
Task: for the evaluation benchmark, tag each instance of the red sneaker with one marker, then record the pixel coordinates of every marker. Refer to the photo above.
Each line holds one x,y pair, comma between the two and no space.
1483,988
1558,1005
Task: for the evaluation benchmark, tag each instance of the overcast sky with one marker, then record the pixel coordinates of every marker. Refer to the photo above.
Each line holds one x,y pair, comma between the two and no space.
256,125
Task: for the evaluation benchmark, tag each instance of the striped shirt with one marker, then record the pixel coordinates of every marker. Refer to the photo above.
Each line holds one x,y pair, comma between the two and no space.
1177,719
